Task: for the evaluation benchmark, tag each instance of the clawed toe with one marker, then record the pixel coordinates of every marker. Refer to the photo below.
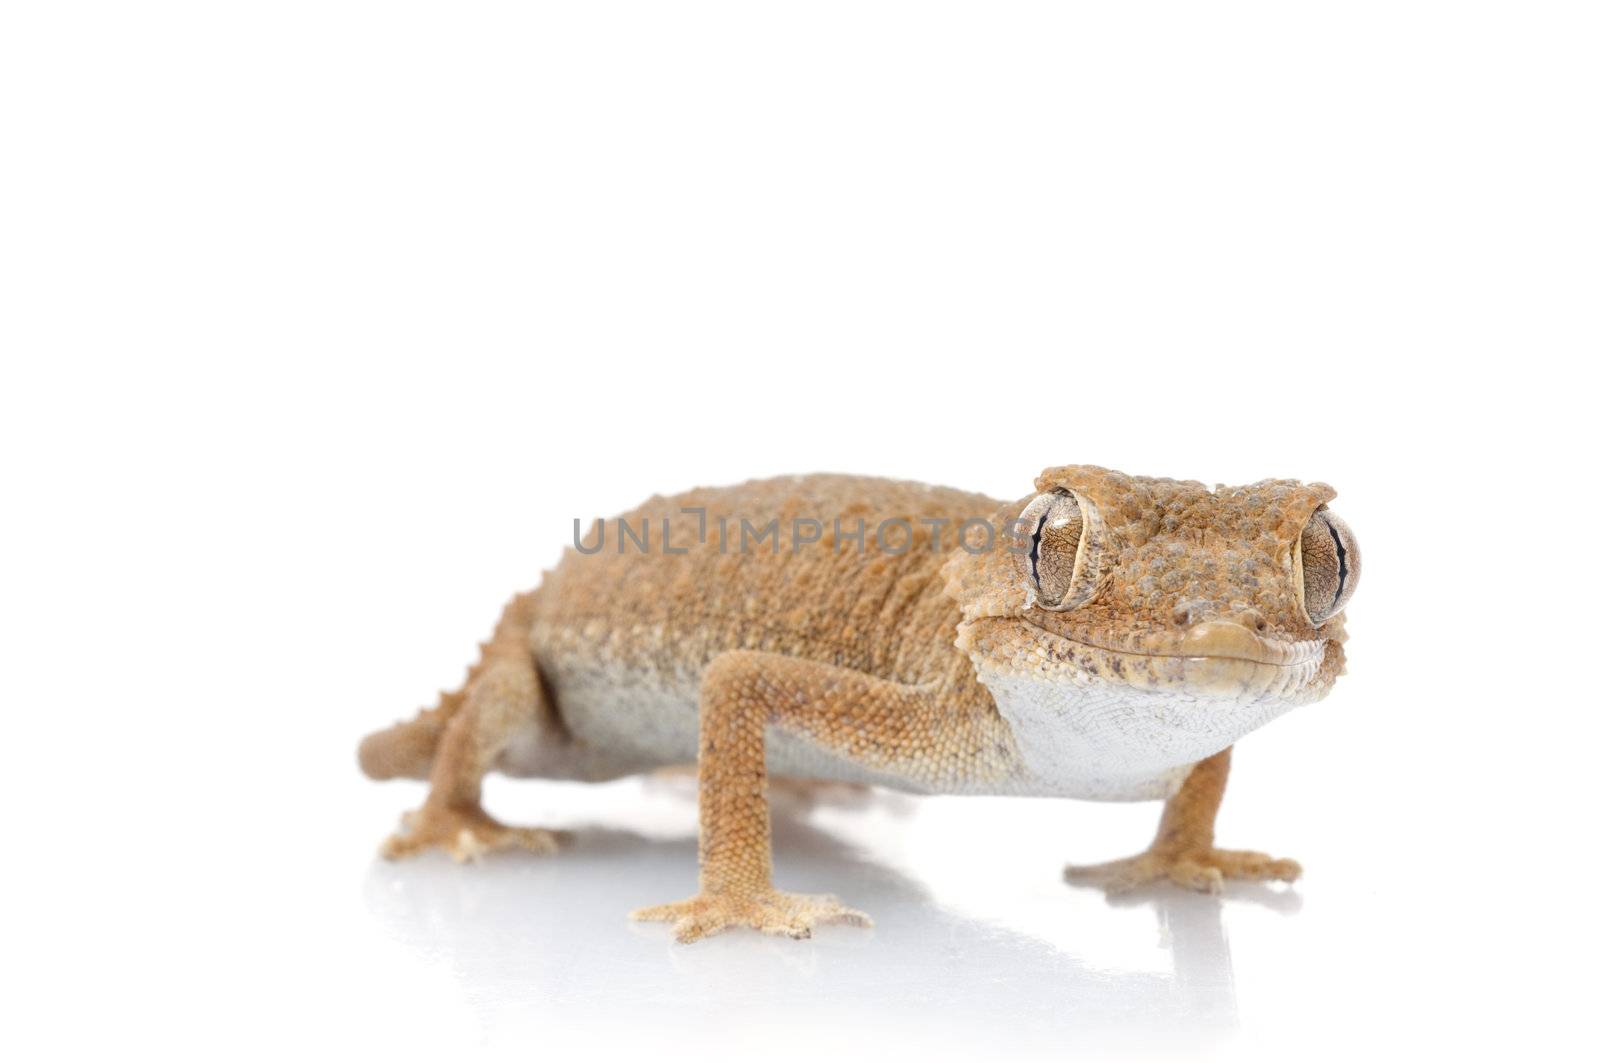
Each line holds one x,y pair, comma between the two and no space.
1257,866
1203,870
470,845
1116,876
771,912
466,834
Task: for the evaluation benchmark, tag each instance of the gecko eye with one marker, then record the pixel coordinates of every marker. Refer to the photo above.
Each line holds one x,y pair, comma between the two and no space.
1051,530
1329,564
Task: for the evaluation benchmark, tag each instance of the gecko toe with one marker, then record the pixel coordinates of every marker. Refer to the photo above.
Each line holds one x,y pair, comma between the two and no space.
1202,869
770,911
466,834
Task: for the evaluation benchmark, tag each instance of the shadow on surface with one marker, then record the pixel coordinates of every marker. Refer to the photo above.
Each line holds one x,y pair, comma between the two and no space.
519,932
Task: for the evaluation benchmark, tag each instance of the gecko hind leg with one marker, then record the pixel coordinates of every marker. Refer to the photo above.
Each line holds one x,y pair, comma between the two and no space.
503,697
452,816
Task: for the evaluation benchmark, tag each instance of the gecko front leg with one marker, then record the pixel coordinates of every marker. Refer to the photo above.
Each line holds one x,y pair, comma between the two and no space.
904,730
1183,850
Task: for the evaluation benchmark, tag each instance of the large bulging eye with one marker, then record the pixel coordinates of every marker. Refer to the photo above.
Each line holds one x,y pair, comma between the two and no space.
1330,565
1051,529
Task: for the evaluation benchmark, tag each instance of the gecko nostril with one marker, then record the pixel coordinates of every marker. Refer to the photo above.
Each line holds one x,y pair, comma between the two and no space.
1251,619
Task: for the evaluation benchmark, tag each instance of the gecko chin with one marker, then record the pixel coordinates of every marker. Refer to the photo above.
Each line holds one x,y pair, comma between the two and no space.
1142,715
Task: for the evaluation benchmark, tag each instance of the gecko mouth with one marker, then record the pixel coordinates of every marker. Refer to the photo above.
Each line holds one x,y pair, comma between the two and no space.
1220,661
1213,640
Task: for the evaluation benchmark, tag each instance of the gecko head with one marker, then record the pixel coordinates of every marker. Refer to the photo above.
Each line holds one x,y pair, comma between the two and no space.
1226,593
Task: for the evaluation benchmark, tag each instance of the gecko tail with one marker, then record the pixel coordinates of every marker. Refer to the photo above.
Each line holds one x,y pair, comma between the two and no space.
405,751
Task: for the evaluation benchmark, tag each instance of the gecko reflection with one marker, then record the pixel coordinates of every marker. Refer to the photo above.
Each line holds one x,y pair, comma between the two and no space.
519,934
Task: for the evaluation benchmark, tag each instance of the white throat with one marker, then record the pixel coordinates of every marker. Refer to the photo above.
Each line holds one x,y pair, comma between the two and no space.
1090,739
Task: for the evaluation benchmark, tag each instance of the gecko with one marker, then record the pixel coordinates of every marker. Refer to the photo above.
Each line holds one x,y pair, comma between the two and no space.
1105,637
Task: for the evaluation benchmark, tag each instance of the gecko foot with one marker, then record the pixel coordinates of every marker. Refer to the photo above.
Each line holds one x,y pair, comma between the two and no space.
769,911
1196,869
466,834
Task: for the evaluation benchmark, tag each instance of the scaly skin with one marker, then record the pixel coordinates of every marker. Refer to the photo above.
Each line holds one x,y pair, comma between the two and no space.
1111,647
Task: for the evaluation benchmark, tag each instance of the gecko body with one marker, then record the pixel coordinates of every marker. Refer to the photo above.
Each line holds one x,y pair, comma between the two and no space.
1108,637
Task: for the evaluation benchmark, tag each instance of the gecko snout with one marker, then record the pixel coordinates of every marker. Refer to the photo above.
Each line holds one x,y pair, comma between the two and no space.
1232,639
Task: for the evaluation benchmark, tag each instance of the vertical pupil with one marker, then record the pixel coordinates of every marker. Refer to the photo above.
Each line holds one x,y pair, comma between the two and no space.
1033,552
1344,564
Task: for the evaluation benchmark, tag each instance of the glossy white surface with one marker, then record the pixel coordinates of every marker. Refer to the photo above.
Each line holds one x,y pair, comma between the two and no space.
1042,968
979,946
321,321
284,931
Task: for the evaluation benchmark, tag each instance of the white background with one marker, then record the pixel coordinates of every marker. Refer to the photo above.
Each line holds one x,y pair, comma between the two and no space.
322,321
